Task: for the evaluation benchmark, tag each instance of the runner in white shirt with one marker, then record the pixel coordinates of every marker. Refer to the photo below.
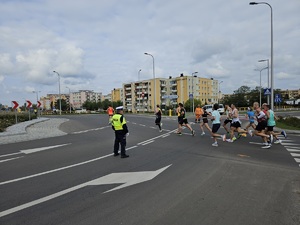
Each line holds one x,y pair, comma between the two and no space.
235,125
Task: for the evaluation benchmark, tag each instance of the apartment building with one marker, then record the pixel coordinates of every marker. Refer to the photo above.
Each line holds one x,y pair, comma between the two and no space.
290,94
78,98
139,96
50,100
117,94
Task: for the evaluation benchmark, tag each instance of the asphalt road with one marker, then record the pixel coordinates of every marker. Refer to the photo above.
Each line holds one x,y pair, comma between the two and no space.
168,179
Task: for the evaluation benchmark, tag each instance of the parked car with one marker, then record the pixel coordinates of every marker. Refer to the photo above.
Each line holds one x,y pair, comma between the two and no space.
209,108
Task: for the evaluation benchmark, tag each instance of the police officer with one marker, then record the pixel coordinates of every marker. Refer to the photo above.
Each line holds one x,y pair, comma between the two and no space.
121,130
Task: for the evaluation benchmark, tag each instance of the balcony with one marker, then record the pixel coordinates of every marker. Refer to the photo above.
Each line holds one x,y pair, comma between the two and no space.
128,88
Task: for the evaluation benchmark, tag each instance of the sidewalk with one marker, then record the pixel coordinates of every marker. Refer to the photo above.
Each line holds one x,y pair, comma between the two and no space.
32,130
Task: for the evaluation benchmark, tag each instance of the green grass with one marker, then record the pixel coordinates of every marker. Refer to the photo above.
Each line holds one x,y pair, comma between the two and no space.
286,127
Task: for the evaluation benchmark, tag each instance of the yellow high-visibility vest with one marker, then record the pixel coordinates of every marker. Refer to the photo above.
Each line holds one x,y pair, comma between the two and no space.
116,121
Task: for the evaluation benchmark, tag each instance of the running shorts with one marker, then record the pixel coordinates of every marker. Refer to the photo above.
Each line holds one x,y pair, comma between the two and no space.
236,124
215,127
261,125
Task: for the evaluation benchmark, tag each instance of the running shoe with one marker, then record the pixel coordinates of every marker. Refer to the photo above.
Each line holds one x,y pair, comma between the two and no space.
266,146
271,138
284,133
193,132
229,140
203,133
224,137
239,136
244,135
234,138
215,144
277,141
160,130
250,133
179,133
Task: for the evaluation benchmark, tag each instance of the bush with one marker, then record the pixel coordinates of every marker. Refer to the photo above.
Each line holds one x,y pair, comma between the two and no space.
8,118
289,121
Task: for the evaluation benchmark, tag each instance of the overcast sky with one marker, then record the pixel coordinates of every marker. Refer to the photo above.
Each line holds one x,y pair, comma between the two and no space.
100,44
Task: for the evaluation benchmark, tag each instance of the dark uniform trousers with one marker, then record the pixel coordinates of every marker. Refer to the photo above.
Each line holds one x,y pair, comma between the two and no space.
120,139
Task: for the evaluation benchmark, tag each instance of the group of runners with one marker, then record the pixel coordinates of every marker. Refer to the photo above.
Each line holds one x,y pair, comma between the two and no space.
262,122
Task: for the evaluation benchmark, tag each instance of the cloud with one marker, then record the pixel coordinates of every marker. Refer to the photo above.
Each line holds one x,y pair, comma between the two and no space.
100,45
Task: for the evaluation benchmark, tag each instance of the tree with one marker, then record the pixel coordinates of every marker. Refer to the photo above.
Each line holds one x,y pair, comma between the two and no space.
188,105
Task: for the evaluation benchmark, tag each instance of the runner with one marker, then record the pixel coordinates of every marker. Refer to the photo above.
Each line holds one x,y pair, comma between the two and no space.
205,121
250,116
271,123
261,125
158,118
216,123
198,113
235,125
228,118
182,121
110,111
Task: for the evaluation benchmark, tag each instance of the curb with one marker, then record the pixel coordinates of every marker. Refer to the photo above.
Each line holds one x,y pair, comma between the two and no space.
20,128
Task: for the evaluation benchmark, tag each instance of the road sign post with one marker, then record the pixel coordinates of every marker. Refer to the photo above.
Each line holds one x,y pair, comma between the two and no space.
16,104
29,104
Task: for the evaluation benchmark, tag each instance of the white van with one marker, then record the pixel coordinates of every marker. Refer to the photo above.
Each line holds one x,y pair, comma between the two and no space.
209,108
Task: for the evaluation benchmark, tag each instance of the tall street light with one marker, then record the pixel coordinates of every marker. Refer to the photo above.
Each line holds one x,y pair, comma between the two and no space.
193,75
272,75
267,60
58,91
69,99
260,83
219,92
139,72
154,79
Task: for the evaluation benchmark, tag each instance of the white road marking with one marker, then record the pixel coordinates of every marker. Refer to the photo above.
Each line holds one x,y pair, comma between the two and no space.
149,142
293,150
29,151
295,155
5,160
79,164
55,170
297,160
256,143
74,165
17,153
288,144
85,131
127,179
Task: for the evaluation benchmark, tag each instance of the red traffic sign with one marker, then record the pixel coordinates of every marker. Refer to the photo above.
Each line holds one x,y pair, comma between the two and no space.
15,104
29,104
39,104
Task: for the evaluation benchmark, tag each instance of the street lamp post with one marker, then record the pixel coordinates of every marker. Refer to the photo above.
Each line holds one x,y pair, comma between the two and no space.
219,92
37,99
139,90
264,60
69,99
154,79
58,91
193,75
260,87
272,75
